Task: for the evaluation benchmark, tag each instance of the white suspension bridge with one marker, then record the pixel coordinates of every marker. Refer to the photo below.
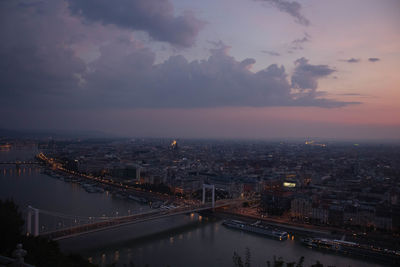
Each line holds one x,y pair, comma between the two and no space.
67,226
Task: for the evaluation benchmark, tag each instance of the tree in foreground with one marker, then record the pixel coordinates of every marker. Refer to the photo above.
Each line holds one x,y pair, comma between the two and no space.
276,262
11,224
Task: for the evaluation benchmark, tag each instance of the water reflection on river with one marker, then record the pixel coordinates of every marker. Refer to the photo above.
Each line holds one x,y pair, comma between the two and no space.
191,241
210,244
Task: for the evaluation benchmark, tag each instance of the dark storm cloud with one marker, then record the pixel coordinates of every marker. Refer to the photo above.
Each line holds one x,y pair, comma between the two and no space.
374,59
34,56
156,17
351,60
221,80
271,53
218,81
305,77
292,8
39,68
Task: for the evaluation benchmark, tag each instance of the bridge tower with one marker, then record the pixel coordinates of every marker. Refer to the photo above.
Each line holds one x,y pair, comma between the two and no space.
35,213
212,187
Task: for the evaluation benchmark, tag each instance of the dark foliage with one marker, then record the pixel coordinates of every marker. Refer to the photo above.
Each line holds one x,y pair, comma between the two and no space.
11,224
277,262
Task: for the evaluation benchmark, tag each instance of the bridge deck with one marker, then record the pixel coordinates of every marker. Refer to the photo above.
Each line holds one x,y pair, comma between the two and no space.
126,220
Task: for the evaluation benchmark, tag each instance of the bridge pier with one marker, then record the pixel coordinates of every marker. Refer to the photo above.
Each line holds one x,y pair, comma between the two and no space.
36,233
29,221
212,187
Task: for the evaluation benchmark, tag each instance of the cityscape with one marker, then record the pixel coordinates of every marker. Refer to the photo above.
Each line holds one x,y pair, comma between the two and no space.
337,197
180,133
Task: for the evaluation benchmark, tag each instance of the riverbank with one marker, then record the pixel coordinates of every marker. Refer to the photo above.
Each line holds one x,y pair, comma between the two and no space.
149,196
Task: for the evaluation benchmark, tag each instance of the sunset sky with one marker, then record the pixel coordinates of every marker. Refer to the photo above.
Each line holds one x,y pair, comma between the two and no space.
203,69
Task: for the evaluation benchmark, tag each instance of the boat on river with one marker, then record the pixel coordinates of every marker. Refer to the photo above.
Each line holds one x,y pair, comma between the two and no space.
257,228
353,249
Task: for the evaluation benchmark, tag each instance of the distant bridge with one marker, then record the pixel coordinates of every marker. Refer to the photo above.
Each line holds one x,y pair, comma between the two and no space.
110,223
19,162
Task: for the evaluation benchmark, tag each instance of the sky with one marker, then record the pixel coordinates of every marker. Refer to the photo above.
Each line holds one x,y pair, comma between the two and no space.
202,69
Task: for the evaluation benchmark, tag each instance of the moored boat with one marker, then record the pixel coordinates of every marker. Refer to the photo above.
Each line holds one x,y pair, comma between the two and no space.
354,249
257,228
